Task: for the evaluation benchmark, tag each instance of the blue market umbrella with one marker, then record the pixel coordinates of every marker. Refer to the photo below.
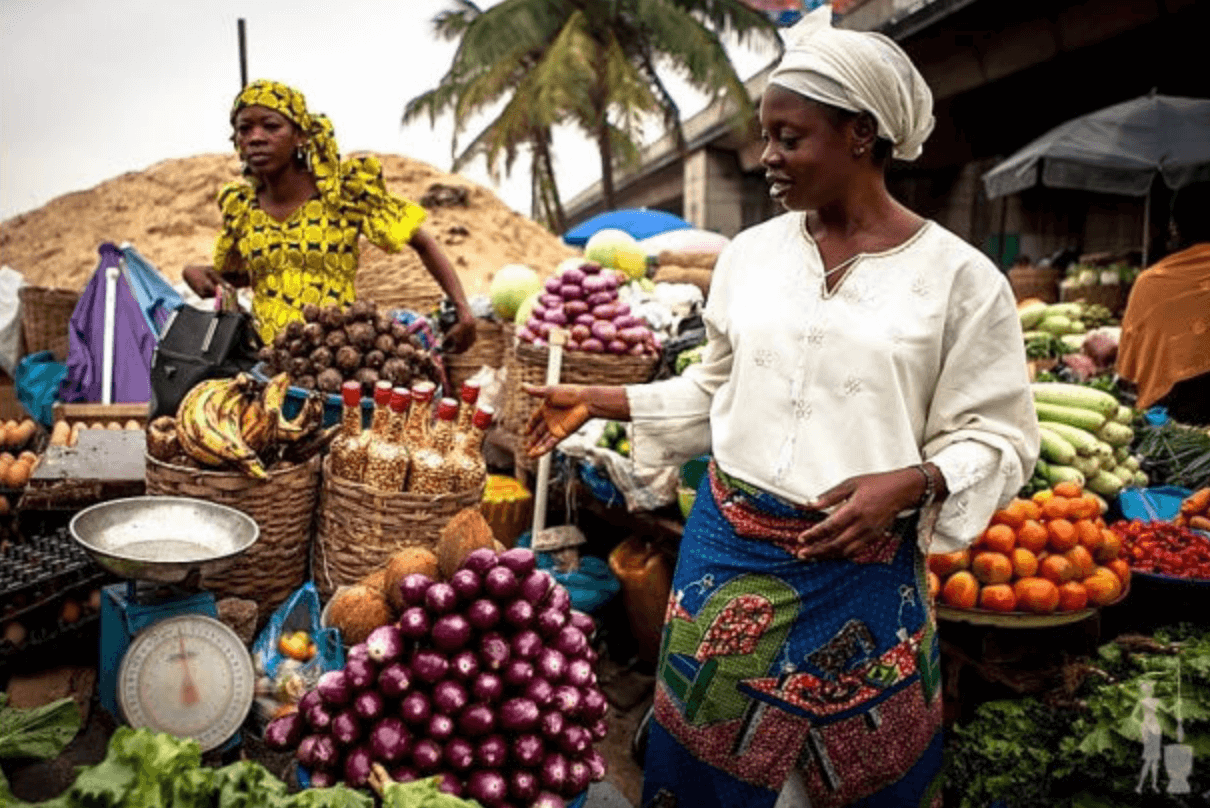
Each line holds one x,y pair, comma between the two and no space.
638,222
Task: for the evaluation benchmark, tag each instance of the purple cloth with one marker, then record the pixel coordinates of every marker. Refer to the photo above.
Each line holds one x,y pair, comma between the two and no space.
133,341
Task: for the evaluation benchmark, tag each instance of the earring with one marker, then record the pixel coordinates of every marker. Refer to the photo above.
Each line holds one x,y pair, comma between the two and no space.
859,151
300,155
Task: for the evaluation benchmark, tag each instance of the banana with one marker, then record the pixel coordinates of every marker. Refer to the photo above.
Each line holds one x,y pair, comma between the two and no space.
256,426
274,394
192,423
304,423
224,416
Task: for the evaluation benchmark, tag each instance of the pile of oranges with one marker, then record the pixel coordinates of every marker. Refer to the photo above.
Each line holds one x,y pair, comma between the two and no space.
1049,553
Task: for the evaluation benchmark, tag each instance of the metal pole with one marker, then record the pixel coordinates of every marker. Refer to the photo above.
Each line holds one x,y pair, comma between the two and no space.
243,55
1146,226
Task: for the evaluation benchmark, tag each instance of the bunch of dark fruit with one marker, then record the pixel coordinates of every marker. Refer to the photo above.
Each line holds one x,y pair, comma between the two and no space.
332,345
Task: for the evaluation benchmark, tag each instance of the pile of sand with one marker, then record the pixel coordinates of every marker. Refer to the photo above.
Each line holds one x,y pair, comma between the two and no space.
168,212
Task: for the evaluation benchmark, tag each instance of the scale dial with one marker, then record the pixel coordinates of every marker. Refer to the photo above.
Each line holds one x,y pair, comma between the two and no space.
189,676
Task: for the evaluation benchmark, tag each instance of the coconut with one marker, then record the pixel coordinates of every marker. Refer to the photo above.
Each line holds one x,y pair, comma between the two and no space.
466,532
402,564
357,611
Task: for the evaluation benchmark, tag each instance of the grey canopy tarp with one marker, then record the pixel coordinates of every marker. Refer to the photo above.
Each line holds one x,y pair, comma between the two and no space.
1116,150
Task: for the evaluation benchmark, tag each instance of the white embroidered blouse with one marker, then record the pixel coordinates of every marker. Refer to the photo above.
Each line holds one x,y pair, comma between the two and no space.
915,355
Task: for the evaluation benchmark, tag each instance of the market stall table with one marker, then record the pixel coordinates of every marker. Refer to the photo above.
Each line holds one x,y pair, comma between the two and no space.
104,464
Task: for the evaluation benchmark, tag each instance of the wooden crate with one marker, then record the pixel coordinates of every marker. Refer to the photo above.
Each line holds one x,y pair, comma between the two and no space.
91,413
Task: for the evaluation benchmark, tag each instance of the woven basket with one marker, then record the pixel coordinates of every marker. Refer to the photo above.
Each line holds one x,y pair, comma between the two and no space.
359,527
1039,282
45,315
283,506
490,340
411,288
527,365
1111,296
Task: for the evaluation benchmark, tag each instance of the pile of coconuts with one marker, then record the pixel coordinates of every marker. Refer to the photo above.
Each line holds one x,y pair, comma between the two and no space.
334,344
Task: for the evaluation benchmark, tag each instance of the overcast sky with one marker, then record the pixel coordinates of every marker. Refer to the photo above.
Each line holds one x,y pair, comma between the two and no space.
91,89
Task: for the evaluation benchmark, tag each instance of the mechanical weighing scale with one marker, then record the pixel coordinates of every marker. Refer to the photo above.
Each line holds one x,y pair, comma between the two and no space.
167,663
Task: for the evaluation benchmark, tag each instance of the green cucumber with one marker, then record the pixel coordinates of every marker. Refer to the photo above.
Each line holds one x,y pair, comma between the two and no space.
1064,474
1140,479
1124,415
1105,484
1120,453
1116,434
1087,466
1075,416
1081,440
1055,448
1074,395
1031,314
1131,463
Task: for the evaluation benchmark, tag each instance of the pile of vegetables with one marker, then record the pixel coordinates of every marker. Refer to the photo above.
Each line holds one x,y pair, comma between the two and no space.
583,298
485,681
332,345
1164,548
614,437
1086,437
1195,511
1173,454
1062,318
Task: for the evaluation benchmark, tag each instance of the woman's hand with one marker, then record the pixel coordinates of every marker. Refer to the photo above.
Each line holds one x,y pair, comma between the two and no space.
563,410
203,280
868,505
461,336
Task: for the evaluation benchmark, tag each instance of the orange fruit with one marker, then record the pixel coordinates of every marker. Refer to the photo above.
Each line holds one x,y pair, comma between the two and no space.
1032,536
1042,496
1056,569
1025,563
1110,548
1055,507
961,590
992,567
1089,535
1068,489
1082,508
1081,561
998,598
1062,535
1120,568
1012,516
946,564
1031,509
1072,596
1103,586
1000,539
934,583
1036,595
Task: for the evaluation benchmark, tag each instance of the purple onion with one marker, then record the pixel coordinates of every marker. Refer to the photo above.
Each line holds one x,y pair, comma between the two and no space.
415,709
617,346
426,755
476,720
528,750
526,644
413,587
333,688
579,673
551,723
554,771
449,783
440,598
306,750
586,320
285,732
546,799
466,583
319,717
519,715
540,692
369,705
552,665
360,673
358,651
357,766
535,585
464,665
325,754
550,622
596,765
593,704
523,786
384,645
557,598
518,673
583,622
555,316
501,583
403,774
487,787
592,344
441,727
573,276
480,561
574,740
488,687
552,285
483,614
578,777
459,754
452,631
571,291
345,729
309,700
567,700
574,308
414,623
571,642
389,740
599,730
521,560
519,614
320,778
449,697
394,680
491,752
430,666
494,651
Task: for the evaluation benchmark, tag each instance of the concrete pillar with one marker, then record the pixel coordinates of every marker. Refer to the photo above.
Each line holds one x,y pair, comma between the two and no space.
714,191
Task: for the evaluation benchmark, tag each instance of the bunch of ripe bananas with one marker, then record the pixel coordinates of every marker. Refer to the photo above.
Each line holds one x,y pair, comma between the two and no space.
233,422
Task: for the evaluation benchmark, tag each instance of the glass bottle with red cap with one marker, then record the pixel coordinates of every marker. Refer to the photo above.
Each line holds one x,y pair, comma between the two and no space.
416,430
470,469
386,458
432,467
348,451
469,395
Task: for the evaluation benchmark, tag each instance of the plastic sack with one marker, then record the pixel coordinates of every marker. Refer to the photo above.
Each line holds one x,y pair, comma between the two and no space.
591,586
37,379
11,282
282,679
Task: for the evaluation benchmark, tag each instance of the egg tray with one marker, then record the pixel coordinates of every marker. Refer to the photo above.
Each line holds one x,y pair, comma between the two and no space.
52,643
40,568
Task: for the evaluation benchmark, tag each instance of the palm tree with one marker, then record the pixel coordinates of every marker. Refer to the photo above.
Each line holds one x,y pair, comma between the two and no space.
593,63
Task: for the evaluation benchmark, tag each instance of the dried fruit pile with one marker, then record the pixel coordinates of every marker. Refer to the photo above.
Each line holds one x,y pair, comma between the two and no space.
1049,553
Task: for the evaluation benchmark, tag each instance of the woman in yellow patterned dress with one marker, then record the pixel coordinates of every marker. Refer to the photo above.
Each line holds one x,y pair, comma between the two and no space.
291,231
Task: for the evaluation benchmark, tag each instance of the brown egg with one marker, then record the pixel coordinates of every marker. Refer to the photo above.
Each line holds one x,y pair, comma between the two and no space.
17,475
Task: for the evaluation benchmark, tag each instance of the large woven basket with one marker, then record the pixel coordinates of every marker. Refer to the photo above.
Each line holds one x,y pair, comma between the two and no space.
1039,282
527,365
409,288
45,315
490,340
358,527
1111,296
283,506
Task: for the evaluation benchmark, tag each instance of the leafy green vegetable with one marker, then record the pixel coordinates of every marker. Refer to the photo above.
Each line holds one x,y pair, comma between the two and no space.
40,732
421,794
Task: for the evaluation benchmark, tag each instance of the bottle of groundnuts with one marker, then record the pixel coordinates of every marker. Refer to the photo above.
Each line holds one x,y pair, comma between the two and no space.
466,410
470,469
387,458
349,447
416,430
432,464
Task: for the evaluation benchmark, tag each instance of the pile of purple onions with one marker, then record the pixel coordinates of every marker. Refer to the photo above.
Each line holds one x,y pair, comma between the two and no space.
584,300
487,681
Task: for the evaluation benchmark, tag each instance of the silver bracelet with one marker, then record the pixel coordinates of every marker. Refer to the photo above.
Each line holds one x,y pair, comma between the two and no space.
930,488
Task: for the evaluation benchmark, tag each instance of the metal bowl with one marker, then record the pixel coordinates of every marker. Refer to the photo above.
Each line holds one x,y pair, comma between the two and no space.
163,539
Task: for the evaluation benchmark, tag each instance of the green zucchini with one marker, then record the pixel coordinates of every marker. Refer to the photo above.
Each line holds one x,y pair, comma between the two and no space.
1065,309
1131,463
1031,314
1074,395
1064,474
1124,474
1087,466
1140,479
1105,484
1081,440
1124,415
1075,416
1116,434
1120,453
1057,325
1055,448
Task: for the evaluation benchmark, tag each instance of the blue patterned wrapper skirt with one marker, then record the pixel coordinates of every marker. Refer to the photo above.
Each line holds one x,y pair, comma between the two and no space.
772,669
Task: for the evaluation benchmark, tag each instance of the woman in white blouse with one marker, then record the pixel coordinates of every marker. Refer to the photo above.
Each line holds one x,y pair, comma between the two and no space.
864,396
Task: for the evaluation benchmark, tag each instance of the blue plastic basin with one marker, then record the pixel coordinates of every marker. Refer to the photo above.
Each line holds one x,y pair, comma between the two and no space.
1159,504
333,403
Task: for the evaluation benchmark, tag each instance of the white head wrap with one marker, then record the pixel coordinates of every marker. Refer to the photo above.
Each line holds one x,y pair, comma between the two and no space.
860,71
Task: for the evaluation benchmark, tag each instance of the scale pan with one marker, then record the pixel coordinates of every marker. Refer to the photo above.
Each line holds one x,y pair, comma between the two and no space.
163,539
